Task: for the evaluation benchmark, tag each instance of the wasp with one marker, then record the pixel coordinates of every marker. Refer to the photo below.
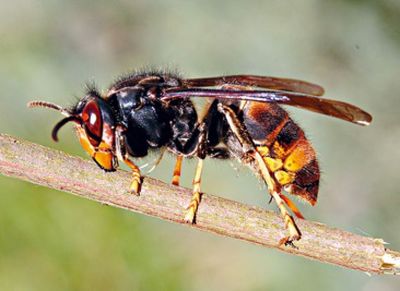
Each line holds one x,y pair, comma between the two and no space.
243,120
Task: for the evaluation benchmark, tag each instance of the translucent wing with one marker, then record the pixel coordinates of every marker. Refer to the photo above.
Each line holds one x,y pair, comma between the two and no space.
258,81
334,108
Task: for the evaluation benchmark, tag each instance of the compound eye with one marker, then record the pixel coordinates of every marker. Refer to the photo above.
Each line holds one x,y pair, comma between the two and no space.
93,125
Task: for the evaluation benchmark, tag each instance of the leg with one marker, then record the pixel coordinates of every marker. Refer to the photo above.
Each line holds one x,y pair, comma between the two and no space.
294,232
122,154
134,188
201,152
251,151
194,203
177,171
292,206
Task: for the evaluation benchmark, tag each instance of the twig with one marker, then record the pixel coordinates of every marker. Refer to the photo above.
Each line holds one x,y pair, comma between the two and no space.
54,169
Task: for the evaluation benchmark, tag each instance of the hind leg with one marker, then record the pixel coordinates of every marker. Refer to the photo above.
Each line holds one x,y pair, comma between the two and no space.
251,152
274,190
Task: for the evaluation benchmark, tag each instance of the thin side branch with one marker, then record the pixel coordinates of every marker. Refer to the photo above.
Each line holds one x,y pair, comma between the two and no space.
57,170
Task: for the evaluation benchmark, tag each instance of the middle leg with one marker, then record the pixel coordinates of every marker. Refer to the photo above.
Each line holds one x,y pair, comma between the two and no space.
177,171
196,197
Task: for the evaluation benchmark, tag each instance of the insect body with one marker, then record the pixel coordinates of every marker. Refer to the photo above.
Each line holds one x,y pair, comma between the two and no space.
243,120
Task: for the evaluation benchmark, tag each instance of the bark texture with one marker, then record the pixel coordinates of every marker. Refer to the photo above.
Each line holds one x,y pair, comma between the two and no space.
57,170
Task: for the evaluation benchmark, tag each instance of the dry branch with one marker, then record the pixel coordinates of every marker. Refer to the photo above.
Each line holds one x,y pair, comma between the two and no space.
54,169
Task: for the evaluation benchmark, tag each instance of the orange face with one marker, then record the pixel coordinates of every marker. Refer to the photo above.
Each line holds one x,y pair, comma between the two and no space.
96,136
95,129
101,154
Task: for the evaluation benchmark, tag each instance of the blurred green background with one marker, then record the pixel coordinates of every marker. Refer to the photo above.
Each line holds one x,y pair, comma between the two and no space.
54,241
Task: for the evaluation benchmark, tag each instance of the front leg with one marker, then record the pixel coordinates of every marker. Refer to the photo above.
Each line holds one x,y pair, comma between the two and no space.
122,154
136,183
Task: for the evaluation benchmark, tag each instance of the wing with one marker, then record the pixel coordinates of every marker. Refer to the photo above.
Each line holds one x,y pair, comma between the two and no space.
258,81
334,108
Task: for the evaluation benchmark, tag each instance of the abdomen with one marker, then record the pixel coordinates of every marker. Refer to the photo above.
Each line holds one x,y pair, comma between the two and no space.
285,149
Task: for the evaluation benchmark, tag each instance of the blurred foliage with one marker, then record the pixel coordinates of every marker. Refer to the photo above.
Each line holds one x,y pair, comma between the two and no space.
55,241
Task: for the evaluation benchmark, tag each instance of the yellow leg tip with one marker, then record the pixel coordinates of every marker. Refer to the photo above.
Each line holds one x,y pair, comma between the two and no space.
175,181
134,188
288,241
294,232
294,235
189,217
